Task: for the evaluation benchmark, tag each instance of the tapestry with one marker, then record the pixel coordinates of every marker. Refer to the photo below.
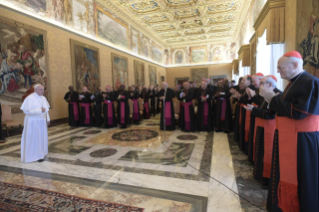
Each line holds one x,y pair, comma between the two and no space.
153,75
308,34
139,73
197,74
85,66
120,71
23,62
23,198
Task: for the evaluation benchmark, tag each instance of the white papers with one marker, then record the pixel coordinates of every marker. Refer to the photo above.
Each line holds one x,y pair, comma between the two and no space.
181,95
222,93
92,97
81,96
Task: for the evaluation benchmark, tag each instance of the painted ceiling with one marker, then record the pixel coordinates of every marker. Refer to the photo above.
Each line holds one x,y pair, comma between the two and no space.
180,23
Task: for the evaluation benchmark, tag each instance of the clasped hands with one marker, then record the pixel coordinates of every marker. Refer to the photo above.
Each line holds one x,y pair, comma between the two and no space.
267,93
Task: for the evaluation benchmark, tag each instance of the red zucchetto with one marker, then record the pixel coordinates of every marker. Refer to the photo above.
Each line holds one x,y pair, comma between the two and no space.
293,54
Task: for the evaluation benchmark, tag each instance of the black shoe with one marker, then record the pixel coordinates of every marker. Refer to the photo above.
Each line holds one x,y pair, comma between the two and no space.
40,160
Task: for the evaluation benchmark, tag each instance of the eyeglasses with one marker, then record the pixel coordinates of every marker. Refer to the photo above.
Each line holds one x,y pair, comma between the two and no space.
281,67
263,83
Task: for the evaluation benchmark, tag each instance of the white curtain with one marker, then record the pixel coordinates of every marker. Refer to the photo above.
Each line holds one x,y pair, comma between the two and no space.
263,52
267,57
277,50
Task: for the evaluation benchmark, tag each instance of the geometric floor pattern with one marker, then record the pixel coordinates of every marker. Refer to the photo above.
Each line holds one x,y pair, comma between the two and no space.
137,167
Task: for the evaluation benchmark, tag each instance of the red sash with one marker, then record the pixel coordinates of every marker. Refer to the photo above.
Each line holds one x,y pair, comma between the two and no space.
223,109
135,109
109,111
288,138
87,112
269,126
122,110
75,111
187,118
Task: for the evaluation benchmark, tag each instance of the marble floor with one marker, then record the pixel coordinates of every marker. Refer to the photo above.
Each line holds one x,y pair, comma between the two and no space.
138,167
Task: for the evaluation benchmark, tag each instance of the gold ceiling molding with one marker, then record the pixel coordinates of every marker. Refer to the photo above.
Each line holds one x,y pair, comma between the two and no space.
179,3
191,24
182,14
220,8
134,23
173,22
235,66
244,55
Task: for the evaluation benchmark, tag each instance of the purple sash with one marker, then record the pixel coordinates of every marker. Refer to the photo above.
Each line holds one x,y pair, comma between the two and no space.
186,114
146,107
122,111
168,113
87,112
223,107
75,111
109,111
135,109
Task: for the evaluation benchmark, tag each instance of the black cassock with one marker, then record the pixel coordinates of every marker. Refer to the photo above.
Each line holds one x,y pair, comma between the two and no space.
187,105
169,117
298,102
157,94
110,120
243,141
152,95
236,117
261,112
123,109
146,106
87,118
204,110
259,101
134,96
222,116
74,110
97,108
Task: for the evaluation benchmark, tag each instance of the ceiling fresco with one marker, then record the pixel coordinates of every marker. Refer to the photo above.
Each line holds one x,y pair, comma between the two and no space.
179,23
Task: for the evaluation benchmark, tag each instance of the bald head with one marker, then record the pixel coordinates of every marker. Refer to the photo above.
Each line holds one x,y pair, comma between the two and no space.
164,85
85,89
186,85
39,89
289,67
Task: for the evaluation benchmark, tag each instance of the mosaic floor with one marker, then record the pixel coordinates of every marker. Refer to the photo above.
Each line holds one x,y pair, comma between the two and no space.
135,167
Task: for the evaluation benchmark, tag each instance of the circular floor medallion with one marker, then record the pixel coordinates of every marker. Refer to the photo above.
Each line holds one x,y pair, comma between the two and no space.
187,137
135,135
102,153
90,132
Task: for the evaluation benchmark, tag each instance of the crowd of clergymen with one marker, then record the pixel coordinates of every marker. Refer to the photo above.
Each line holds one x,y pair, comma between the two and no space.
278,131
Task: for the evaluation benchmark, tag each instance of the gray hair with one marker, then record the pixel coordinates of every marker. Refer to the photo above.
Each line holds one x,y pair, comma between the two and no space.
37,85
272,81
297,60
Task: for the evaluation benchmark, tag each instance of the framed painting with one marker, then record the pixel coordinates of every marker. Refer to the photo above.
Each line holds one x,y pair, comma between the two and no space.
180,81
120,71
110,28
214,79
23,62
153,75
197,74
85,66
139,73
199,54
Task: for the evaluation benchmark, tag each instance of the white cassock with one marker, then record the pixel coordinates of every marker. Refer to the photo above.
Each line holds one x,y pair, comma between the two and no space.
34,141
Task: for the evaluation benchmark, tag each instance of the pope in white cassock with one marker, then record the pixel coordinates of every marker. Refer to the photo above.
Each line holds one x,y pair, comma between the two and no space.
34,141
